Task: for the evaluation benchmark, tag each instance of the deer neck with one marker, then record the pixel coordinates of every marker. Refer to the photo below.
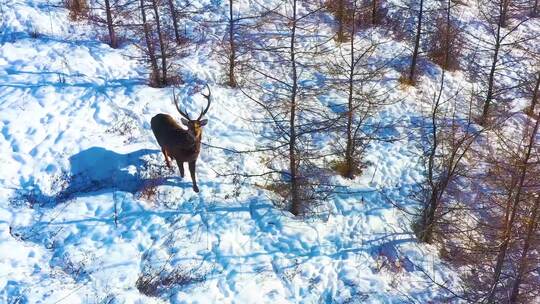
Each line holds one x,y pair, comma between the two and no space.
196,139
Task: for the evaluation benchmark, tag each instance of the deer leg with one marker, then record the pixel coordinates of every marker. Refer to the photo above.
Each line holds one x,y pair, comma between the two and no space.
166,158
181,167
192,171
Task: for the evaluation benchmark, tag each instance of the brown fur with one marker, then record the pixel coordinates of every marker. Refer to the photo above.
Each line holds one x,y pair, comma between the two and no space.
177,143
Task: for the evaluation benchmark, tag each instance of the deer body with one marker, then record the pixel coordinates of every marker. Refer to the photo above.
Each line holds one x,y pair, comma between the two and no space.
177,143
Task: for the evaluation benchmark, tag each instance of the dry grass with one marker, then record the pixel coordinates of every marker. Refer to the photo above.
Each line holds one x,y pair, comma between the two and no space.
153,176
78,9
154,285
281,189
125,127
149,190
155,80
404,80
343,169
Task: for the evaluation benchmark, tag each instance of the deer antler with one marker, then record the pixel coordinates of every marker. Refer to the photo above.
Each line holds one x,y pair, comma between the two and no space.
208,104
184,114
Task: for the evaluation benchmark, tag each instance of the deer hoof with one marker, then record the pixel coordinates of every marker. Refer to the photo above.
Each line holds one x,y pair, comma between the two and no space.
196,189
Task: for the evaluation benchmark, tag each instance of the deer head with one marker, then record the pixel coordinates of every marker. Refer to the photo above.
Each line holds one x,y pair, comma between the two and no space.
194,125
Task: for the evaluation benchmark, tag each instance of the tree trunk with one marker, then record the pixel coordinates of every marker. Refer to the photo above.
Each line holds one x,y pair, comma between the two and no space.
349,152
533,222
232,54
416,43
296,204
491,78
174,18
536,95
437,187
374,12
507,234
112,36
341,15
535,9
161,45
425,233
504,12
149,45
425,230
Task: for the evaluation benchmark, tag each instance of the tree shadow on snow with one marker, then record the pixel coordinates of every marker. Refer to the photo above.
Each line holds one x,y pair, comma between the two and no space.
60,79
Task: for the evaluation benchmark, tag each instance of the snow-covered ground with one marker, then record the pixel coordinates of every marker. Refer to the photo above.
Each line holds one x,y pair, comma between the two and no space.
76,149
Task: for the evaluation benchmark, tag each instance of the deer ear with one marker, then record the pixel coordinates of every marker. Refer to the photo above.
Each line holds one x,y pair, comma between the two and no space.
203,122
184,121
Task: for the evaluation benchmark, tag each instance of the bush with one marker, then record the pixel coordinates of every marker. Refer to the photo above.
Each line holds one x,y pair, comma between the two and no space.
34,32
156,284
152,175
34,196
126,127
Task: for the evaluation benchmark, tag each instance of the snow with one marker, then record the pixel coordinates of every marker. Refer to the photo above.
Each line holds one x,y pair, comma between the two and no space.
71,105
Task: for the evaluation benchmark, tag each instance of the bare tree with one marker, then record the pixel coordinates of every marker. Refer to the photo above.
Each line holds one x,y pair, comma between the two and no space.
495,58
535,94
158,42
232,46
490,235
238,42
445,41
174,20
416,48
375,19
343,15
450,140
354,71
161,40
149,50
111,14
296,204
281,89
524,262
501,42
513,207
112,36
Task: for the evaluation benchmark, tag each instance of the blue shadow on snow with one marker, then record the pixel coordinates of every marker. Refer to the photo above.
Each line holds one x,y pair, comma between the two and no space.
92,170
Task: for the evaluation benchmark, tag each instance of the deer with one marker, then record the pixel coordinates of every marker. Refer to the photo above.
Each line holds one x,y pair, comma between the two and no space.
177,143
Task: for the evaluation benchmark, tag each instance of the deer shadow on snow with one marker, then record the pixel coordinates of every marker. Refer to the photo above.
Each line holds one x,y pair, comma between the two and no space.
98,169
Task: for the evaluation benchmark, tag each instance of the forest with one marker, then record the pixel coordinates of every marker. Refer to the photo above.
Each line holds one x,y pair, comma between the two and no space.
338,151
